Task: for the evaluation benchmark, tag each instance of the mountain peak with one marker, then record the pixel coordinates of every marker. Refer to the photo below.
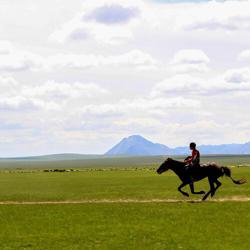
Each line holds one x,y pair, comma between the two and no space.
136,138
137,145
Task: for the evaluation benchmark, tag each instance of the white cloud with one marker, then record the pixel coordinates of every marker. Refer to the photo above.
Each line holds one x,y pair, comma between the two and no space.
190,60
18,103
228,16
203,131
132,58
190,68
180,84
234,80
244,55
238,76
8,85
5,47
61,90
47,95
139,107
197,88
105,21
190,56
13,59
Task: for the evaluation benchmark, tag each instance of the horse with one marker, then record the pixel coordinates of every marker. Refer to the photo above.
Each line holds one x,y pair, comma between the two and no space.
194,174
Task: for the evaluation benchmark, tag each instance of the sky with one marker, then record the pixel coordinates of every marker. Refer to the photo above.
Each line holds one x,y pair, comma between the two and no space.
78,76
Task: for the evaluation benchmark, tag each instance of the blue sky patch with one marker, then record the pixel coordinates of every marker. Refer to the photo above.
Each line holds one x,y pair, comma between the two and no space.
113,14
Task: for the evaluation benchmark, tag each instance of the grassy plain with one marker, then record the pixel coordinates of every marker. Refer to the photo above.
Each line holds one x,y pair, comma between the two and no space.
88,161
125,226
208,225
105,184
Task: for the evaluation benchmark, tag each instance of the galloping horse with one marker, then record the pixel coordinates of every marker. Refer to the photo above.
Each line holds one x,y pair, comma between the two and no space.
212,171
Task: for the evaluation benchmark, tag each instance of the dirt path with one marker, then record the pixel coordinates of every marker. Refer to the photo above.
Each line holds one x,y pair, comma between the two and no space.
106,201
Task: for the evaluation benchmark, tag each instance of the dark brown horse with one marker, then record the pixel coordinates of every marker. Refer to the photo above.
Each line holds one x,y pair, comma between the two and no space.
212,171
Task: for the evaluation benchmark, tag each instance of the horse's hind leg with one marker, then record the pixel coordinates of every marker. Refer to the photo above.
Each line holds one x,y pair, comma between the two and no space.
180,187
212,189
192,189
218,184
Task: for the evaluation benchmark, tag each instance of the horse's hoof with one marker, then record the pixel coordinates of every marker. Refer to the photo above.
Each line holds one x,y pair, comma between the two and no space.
186,194
204,198
202,192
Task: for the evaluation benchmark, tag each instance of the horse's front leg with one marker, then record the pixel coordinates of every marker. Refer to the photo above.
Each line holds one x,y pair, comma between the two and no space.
180,187
192,189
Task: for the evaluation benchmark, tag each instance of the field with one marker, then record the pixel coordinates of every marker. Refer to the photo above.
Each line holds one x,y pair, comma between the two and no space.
101,162
118,208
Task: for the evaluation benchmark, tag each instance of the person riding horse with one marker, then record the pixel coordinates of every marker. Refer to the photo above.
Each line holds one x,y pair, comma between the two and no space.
190,171
193,160
211,171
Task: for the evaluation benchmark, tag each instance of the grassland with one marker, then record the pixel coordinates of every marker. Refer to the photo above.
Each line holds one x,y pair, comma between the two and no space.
108,184
209,225
125,226
91,161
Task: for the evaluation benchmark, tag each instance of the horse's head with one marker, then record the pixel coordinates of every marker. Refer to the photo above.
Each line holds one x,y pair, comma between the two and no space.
164,166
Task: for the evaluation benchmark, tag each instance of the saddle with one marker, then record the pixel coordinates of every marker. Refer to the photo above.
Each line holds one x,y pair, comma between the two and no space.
207,164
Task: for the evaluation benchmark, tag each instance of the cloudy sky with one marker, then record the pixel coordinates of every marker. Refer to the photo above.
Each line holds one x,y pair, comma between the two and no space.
77,76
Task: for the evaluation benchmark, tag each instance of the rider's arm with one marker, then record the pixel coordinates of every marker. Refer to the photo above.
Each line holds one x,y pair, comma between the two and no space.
188,159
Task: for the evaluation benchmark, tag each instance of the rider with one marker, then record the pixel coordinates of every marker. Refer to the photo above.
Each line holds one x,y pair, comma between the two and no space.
194,160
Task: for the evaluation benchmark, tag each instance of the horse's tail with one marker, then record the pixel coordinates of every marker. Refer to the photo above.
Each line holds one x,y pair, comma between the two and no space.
227,172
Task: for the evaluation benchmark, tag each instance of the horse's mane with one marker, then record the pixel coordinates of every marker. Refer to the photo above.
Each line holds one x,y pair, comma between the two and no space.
175,161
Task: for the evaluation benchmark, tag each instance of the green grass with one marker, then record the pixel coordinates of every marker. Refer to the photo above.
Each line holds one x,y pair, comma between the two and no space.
81,162
118,184
126,226
121,225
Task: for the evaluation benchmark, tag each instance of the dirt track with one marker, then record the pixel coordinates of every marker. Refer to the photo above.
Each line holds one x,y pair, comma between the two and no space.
105,201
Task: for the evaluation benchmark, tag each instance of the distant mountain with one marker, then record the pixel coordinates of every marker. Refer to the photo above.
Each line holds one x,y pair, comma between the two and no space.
53,157
137,145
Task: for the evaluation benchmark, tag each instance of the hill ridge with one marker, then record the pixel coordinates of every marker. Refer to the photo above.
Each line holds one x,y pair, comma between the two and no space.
138,145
